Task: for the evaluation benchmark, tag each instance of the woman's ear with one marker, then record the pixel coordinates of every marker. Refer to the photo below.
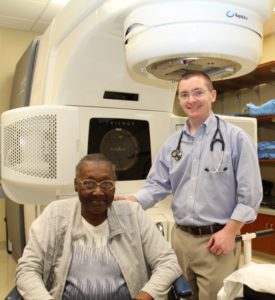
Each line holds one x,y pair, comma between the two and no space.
75,185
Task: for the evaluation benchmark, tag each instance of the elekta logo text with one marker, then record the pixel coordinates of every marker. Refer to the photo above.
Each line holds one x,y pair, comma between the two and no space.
231,14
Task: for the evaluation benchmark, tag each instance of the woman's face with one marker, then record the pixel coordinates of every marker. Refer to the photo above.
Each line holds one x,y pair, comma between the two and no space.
95,202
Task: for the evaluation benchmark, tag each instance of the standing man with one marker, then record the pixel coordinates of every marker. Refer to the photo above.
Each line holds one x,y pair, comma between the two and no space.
211,169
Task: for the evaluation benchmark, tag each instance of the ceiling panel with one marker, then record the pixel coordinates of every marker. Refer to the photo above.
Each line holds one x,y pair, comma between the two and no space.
26,9
27,15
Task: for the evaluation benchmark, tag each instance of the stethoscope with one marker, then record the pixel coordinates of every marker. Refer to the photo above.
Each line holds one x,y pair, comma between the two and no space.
217,138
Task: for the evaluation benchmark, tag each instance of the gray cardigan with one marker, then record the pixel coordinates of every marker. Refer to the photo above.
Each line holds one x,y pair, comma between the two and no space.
134,240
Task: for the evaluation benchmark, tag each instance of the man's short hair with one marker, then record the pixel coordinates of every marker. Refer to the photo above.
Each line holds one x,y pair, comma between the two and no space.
190,74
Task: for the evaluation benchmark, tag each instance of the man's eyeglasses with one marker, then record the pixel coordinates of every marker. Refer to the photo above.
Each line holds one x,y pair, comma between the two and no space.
197,94
91,185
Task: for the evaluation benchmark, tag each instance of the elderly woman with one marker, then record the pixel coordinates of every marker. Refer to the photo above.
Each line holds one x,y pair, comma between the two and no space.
90,247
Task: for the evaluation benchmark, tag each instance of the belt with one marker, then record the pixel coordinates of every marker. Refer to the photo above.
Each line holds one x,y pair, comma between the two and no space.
201,230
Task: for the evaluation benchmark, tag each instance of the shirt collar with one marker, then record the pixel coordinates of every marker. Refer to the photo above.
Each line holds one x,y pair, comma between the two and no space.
208,124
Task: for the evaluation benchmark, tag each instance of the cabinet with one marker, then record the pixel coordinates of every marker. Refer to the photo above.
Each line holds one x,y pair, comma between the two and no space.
266,133
266,129
264,73
264,244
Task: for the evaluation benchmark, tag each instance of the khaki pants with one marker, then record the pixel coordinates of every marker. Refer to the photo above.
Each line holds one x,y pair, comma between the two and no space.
204,270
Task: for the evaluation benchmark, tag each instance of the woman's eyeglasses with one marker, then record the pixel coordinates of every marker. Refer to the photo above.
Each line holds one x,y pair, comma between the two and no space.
91,185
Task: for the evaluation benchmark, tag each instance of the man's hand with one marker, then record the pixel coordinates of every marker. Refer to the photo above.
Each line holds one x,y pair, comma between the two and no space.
223,241
130,197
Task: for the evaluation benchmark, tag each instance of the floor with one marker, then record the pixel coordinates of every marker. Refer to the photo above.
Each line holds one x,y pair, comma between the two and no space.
7,269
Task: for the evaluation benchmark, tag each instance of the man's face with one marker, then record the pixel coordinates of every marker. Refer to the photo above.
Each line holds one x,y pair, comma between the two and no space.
95,202
195,98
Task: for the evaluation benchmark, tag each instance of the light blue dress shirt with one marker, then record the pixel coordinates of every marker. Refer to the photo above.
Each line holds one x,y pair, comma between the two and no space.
201,197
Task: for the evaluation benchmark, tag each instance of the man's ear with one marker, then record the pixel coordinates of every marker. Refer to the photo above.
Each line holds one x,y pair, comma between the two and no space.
214,95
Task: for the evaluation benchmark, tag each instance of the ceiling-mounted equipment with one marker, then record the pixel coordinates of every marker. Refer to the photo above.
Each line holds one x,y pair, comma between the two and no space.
164,39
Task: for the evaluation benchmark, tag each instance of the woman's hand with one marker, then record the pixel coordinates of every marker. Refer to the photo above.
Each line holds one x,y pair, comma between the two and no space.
143,296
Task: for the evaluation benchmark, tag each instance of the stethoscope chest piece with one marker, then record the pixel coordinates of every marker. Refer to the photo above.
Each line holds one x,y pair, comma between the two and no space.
176,154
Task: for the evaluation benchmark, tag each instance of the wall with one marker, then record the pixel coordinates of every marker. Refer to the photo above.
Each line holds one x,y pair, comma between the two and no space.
13,43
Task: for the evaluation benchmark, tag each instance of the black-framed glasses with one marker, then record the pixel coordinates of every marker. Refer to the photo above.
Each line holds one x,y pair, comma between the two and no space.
91,185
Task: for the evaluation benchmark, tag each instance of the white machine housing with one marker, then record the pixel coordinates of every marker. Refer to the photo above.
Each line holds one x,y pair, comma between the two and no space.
248,124
39,152
42,144
113,45
81,59
212,36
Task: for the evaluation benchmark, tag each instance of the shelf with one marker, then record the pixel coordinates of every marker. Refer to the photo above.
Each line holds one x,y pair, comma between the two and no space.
266,160
264,73
260,119
269,118
268,201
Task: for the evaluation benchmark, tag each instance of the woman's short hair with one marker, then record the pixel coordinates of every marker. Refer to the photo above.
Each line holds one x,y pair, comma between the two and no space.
95,157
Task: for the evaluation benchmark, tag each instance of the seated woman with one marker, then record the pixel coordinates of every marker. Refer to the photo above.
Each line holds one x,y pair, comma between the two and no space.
90,247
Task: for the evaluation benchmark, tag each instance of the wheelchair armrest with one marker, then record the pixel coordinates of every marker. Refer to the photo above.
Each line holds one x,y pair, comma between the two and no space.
13,295
181,287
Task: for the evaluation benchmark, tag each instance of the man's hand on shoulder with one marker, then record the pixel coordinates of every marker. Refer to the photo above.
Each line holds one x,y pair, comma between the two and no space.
130,197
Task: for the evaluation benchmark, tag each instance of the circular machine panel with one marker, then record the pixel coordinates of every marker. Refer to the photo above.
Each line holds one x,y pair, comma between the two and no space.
126,142
172,69
122,147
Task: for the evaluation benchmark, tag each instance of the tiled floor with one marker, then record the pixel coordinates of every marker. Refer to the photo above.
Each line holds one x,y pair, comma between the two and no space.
7,268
